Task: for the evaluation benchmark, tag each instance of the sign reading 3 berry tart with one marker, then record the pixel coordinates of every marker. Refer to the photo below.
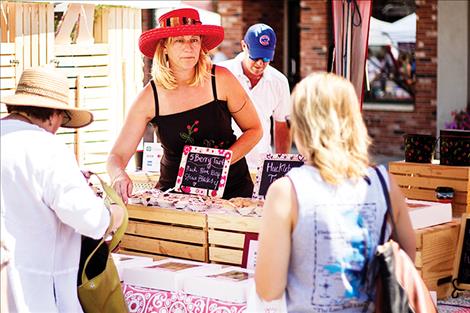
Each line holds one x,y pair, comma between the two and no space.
203,171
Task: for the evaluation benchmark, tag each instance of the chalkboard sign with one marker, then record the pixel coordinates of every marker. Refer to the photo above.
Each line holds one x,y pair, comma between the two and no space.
462,262
272,167
203,171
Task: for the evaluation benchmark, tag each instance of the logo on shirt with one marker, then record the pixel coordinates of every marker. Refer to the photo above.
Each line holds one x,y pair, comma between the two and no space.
264,40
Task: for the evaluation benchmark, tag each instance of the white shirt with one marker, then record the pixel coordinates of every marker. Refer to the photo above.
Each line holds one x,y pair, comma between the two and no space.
271,97
46,205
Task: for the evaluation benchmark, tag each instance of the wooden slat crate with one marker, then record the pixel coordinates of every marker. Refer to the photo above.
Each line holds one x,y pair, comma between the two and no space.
419,181
227,236
435,252
158,232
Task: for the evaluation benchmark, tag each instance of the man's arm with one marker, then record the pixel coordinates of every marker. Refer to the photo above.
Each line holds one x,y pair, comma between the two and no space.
282,137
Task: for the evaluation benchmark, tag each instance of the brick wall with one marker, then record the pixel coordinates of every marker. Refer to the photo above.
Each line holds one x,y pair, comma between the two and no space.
314,34
232,21
387,128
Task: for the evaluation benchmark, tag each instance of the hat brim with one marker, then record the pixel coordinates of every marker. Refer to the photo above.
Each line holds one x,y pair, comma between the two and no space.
78,117
256,54
212,36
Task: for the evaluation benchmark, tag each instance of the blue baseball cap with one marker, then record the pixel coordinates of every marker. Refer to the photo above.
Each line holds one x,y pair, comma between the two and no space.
261,42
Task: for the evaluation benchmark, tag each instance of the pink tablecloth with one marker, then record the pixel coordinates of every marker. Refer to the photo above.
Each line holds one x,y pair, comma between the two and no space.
146,300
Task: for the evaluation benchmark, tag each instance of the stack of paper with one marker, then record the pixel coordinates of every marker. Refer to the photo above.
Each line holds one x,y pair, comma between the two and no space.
167,274
227,284
426,213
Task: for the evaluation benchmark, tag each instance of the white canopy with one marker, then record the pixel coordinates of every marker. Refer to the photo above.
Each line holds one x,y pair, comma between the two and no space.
383,33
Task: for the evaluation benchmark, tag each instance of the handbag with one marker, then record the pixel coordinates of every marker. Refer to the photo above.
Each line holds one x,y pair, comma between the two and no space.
399,287
103,293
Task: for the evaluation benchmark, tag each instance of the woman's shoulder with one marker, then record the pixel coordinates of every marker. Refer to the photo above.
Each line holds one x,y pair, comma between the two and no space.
146,95
226,83
281,187
222,72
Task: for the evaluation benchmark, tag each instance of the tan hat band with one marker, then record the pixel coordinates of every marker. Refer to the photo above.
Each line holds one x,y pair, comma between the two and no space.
43,93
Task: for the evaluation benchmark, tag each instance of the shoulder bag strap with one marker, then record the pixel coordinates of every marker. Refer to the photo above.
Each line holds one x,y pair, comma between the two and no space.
389,207
111,197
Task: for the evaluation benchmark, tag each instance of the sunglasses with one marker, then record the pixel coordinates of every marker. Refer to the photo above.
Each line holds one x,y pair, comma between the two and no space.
66,118
178,21
265,60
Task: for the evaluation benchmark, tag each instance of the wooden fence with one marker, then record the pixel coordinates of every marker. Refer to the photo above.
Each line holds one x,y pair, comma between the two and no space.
104,77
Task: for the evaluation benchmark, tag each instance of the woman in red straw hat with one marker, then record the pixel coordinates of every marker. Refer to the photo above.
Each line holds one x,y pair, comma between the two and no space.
190,101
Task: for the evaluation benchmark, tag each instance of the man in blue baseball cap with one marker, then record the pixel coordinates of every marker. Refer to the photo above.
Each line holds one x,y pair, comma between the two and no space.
267,87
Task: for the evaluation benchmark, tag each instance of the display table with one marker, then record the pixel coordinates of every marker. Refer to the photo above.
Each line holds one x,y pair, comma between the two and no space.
146,300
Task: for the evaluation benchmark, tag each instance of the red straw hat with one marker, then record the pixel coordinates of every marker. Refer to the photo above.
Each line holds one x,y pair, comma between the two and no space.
180,22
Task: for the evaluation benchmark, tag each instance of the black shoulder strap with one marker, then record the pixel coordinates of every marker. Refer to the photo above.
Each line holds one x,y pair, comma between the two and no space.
389,207
214,88
155,96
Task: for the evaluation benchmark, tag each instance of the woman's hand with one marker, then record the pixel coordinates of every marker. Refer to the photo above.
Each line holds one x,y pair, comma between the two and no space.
123,185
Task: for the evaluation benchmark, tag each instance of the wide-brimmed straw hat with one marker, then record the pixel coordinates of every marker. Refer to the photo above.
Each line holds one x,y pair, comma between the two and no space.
45,87
180,22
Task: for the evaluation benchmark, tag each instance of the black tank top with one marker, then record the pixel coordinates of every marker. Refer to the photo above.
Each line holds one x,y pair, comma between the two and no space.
209,125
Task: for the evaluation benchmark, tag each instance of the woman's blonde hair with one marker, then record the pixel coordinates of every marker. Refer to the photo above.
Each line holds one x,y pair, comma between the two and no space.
327,124
163,75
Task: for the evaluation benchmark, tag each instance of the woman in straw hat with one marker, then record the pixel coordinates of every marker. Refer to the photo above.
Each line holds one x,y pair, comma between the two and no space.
190,101
334,205
46,201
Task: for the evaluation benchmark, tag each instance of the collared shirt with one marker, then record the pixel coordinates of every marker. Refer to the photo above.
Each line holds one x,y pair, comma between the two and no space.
46,205
271,97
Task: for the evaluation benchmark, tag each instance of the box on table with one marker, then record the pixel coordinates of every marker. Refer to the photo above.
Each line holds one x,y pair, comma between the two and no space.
227,284
123,261
167,274
158,232
420,180
227,236
435,253
143,180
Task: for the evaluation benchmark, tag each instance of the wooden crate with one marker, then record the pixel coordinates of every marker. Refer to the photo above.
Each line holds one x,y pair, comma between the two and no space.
227,236
435,252
419,181
158,232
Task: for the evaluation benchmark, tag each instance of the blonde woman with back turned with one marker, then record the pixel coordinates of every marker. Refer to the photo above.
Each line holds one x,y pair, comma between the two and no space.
321,223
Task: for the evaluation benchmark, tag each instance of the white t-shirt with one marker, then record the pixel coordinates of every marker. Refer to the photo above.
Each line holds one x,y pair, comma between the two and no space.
46,205
271,97
341,226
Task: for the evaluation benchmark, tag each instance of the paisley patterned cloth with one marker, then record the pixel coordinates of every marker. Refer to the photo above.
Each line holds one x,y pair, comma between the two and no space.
147,300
